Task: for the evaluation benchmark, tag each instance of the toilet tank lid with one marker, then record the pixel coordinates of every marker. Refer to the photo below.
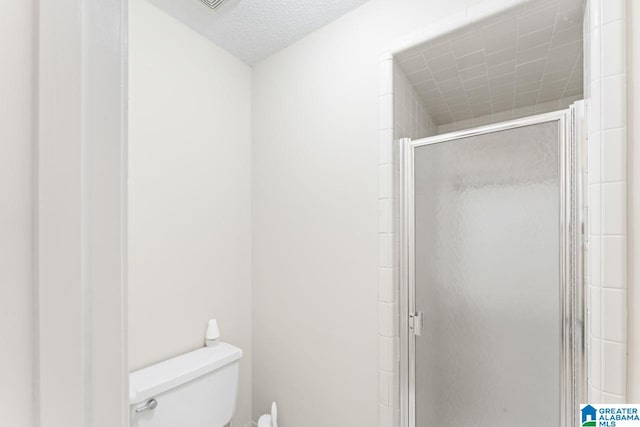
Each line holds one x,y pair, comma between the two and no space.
155,379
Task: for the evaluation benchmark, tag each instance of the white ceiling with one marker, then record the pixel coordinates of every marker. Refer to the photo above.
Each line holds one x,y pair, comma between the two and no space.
528,56
254,29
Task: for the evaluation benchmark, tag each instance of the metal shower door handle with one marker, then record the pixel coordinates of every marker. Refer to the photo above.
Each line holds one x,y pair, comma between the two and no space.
149,406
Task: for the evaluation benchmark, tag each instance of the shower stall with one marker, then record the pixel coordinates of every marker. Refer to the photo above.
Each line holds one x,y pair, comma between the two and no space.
492,301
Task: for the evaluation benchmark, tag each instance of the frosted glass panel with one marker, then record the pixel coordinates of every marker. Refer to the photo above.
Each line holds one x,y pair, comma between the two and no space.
488,280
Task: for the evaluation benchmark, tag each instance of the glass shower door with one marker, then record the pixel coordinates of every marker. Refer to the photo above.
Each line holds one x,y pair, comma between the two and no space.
487,262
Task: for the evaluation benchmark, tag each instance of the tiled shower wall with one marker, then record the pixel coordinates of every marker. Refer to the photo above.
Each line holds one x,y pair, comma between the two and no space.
605,92
388,260
605,49
410,117
404,116
516,113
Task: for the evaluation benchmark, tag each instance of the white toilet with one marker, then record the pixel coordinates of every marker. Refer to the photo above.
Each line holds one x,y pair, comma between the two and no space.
269,420
196,389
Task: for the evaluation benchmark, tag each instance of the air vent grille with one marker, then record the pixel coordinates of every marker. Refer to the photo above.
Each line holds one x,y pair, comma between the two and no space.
214,4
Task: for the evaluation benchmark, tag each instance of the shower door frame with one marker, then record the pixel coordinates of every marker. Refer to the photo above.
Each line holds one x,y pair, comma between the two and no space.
573,376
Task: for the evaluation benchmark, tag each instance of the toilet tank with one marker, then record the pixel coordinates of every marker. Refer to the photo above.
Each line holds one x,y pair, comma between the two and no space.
196,389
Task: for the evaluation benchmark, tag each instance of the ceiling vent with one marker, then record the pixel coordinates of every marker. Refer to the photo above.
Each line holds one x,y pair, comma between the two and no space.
214,4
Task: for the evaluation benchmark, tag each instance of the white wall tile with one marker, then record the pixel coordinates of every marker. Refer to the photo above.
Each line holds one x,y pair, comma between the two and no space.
612,10
595,55
502,116
614,214
614,261
540,50
385,146
386,249
501,57
388,253
387,284
547,106
614,155
395,392
595,14
385,77
612,399
385,415
385,181
413,64
411,119
614,322
614,48
606,107
535,38
534,20
501,69
595,293
385,117
594,122
595,208
514,113
385,216
422,77
613,378
594,267
387,319
595,363
387,354
567,36
385,387
594,157
467,44
614,111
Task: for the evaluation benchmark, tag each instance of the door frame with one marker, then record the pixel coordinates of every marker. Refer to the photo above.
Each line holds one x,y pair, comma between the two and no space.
572,215
81,252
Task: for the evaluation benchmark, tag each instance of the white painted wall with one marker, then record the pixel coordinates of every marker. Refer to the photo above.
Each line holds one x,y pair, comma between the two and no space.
190,194
315,216
17,119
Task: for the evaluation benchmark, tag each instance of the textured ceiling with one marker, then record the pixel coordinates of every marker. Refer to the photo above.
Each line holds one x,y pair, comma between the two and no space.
254,29
528,56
